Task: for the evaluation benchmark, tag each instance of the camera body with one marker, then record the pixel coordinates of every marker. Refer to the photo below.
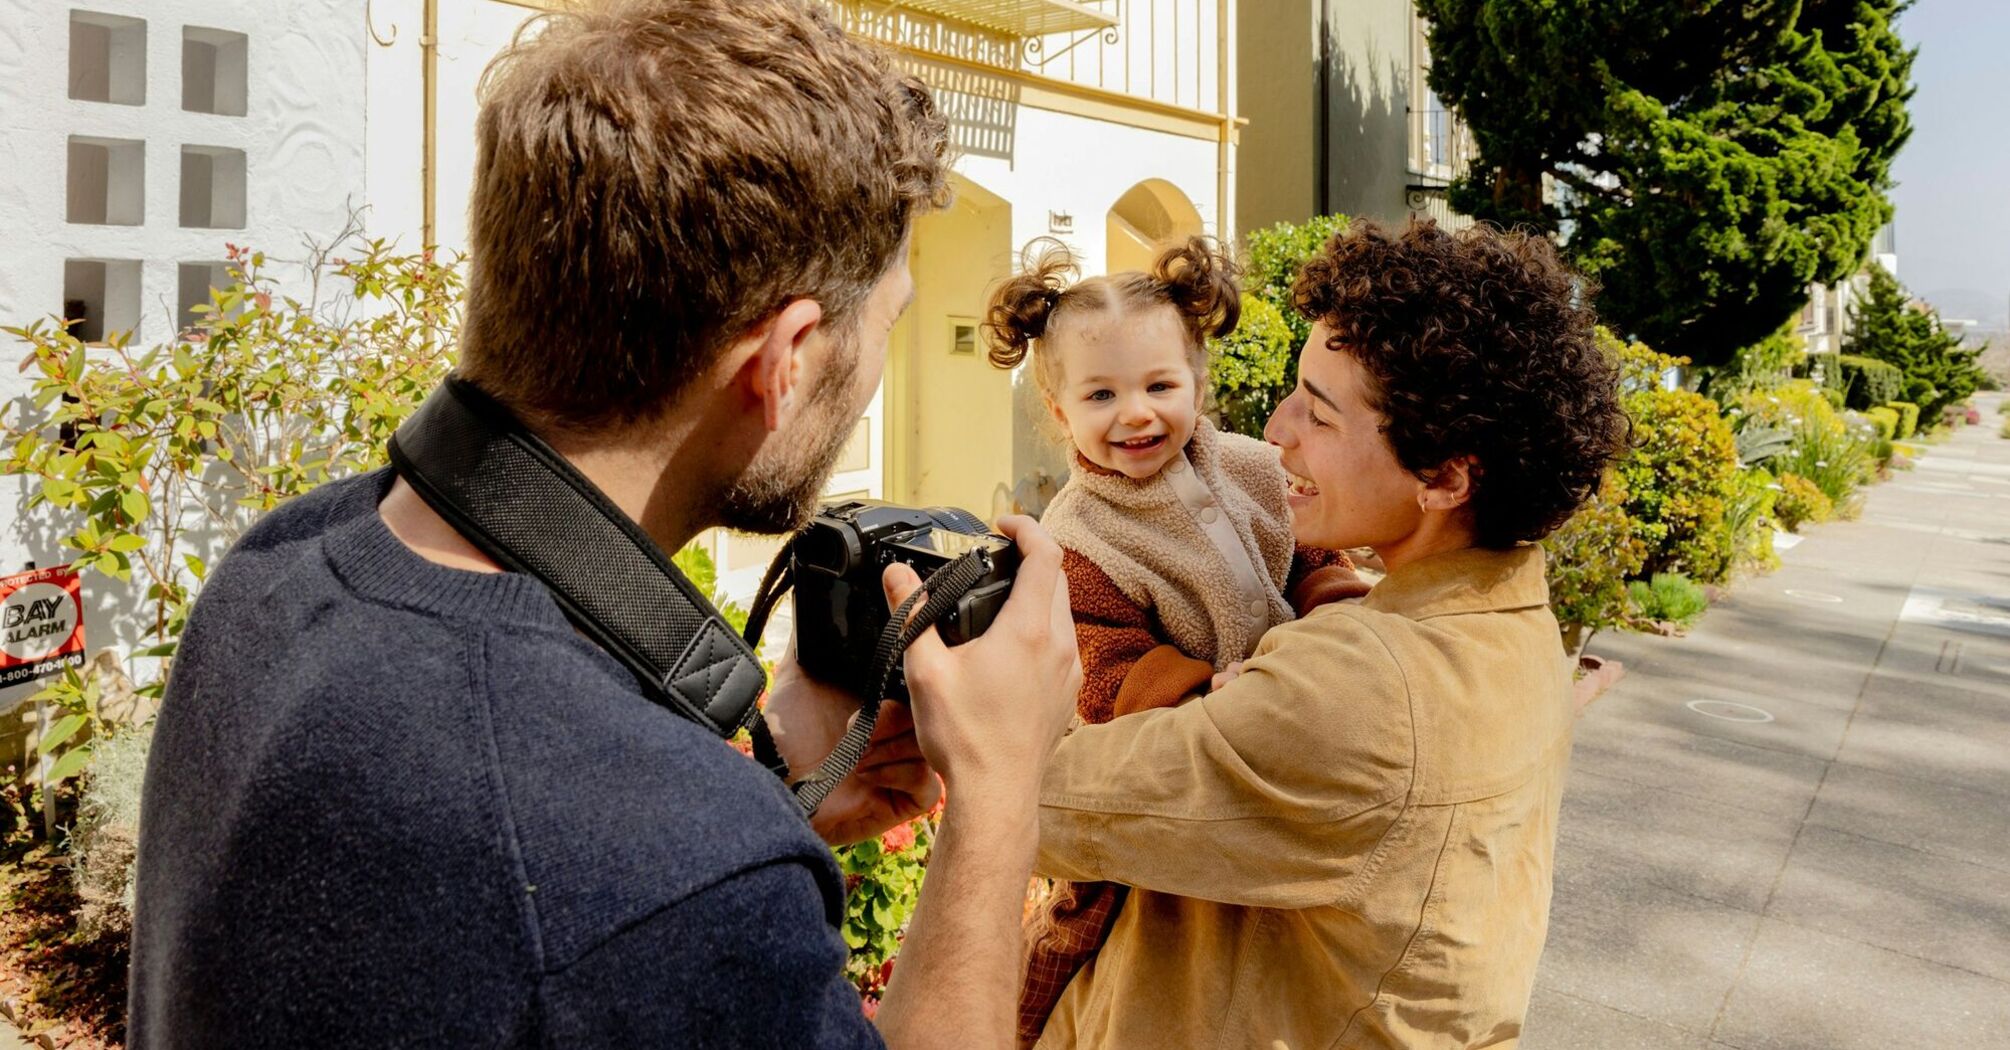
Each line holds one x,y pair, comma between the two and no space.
840,606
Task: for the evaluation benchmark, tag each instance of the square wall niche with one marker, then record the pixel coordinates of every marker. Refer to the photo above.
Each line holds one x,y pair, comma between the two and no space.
106,181
213,71
195,279
101,296
212,187
108,58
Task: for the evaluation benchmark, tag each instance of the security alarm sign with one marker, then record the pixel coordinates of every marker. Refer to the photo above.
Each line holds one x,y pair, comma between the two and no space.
41,624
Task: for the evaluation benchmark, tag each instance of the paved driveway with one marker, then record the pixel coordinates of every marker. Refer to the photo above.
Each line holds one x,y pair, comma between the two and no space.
1791,829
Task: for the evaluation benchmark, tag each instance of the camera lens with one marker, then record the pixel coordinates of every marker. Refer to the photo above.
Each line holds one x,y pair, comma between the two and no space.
957,521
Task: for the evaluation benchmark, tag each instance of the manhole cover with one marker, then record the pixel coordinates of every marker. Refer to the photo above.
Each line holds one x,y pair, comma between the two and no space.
1815,596
1729,711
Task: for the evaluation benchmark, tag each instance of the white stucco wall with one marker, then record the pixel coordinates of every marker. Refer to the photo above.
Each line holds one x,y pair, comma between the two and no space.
302,136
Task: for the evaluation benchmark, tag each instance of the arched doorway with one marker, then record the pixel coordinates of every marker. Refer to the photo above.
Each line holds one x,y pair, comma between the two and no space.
1147,216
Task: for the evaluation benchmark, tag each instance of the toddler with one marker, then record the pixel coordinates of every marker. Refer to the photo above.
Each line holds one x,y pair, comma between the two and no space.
1176,536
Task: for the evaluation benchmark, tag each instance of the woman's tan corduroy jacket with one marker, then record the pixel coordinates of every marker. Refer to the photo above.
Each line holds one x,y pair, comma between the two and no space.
1348,846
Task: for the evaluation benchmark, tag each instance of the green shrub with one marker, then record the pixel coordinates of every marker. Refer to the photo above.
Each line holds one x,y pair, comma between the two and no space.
1590,558
1748,522
1885,420
1799,502
1938,372
1679,472
1275,254
1669,597
2006,429
1908,418
1867,381
1251,368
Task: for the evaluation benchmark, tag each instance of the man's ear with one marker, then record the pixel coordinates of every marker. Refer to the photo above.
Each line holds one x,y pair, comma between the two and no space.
773,372
1450,486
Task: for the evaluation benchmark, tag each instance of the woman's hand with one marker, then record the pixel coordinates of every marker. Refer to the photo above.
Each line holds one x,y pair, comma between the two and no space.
1227,674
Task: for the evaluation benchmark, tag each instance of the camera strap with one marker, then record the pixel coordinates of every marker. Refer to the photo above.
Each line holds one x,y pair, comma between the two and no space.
943,588
524,506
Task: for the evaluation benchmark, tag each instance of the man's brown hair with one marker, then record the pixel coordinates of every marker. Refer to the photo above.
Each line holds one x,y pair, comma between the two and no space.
654,178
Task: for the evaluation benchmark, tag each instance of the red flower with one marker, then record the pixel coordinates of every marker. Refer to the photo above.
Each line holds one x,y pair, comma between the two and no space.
871,1007
898,840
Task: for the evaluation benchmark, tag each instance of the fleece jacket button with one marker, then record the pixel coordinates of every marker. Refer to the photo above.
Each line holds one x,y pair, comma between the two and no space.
1208,516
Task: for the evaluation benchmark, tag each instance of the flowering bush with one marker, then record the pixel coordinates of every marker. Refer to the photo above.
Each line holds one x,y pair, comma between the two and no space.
1800,501
882,886
1827,448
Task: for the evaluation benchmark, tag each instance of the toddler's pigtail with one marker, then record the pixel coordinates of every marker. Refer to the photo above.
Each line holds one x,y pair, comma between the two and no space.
1021,306
1205,285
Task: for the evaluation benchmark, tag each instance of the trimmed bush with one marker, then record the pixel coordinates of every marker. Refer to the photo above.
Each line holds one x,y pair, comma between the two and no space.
1908,418
1799,502
1885,420
1867,381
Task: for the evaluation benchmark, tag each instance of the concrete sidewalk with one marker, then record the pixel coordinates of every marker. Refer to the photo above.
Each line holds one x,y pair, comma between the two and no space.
1791,829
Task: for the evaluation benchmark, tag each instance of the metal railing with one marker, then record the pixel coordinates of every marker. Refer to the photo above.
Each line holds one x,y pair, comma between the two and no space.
1167,51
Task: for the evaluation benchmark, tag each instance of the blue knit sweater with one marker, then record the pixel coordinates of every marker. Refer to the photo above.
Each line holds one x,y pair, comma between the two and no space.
395,804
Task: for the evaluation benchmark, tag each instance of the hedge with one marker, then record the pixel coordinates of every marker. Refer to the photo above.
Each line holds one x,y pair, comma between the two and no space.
1908,418
1867,381
1886,421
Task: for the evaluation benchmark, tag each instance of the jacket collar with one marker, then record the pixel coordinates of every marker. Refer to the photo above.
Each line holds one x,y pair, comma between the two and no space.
1466,581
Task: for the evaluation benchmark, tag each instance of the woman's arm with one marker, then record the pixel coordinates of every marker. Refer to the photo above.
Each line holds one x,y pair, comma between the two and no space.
1271,792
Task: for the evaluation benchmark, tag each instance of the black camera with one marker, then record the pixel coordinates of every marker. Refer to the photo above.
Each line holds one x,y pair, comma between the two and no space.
841,608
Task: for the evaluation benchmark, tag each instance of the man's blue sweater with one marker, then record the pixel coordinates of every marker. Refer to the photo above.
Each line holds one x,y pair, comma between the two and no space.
395,804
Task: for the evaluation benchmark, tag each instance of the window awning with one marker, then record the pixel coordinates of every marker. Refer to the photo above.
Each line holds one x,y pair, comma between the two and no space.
1021,18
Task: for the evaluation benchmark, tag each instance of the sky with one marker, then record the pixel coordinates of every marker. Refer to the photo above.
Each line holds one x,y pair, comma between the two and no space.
1953,195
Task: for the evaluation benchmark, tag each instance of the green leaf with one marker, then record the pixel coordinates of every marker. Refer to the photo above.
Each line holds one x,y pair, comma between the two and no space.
69,765
127,542
196,566
65,728
134,503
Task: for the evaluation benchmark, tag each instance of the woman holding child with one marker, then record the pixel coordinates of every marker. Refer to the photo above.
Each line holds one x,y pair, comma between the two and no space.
1347,841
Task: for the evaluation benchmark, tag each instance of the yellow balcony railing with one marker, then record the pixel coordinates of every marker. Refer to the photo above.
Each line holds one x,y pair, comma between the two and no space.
1019,18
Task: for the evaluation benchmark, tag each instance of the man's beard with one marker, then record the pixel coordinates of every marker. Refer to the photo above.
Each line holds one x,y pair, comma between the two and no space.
781,496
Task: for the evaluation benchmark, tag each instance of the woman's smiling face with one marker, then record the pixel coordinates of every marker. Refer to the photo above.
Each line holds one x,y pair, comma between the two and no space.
1127,392
1347,488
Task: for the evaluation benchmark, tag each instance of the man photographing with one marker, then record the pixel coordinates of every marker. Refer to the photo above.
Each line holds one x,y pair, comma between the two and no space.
395,798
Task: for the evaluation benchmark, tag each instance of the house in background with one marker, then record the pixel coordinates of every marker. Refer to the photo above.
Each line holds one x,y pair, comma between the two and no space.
141,136
1829,316
144,134
1341,118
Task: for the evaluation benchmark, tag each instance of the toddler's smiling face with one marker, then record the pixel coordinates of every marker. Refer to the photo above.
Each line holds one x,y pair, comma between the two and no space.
1128,394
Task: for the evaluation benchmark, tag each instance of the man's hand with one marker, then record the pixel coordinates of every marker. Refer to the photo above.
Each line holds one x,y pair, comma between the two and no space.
893,782
992,709
988,714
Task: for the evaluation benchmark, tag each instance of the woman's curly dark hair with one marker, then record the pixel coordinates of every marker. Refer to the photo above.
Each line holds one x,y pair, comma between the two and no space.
1477,343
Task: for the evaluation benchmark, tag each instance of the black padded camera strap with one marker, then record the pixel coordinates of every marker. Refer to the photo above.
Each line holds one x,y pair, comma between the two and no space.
511,495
